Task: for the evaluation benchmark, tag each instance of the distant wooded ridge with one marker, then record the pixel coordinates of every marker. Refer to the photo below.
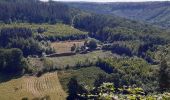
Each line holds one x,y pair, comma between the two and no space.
157,13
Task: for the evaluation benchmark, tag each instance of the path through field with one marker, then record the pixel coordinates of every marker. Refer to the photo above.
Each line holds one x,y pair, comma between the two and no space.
32,87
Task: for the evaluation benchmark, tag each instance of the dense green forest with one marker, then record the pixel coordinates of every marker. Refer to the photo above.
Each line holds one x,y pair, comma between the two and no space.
33,11
156,13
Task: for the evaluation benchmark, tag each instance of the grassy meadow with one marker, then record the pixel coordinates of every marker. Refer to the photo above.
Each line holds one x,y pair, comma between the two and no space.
85,76
37,64
48,29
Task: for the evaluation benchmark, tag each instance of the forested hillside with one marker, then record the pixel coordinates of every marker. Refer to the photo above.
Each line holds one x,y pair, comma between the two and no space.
157,13
94,54
33,11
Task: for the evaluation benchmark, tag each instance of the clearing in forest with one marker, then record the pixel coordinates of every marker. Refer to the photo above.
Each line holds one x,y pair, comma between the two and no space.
63,47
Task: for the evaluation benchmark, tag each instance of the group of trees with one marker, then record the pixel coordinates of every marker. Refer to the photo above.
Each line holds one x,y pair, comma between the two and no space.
33,11
24,39
126,78
63,38
92,44
135,71
58,32
11,61
123,33
74,89
20,37
133,48
130,71
149,12
128,37
164,76
121,48
108,28
6,34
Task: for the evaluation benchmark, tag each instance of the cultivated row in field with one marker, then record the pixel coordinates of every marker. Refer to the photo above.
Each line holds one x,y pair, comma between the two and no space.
32,87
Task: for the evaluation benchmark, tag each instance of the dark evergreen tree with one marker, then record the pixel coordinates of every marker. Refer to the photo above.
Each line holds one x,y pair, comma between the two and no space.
92,44
100,79
75,89
11,60
34,11
164,76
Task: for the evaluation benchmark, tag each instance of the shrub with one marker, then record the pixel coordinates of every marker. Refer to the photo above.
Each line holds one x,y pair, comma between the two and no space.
92,44
11,60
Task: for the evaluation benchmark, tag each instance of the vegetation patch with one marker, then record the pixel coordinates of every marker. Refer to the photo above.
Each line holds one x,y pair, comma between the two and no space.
85,76
130,71
50,32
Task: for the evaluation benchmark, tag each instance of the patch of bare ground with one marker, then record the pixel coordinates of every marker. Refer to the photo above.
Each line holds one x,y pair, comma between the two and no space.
65,46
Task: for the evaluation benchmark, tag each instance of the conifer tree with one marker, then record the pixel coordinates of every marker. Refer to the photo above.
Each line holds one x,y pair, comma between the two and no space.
164,76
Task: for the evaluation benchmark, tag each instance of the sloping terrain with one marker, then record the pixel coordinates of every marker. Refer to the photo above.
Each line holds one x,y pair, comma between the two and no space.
131,51
153,12
78,60
32,87
62,47
84,76
47,29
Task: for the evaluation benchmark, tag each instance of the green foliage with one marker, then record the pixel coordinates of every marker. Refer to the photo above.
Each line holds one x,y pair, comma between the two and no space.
111,28
117,34
48,32
34,11
132,90
106,87
19,37
6,34
11,61
40,66
92,44
107,91
47,64
74,89
130,48
99,80
164,76
129,71
27,37
156,13
84,76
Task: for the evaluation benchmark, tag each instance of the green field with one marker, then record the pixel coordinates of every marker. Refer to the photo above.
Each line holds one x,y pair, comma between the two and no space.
56,29
37,64
85,76
71,61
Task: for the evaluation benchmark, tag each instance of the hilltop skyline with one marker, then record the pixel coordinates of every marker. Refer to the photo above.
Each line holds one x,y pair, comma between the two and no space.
106,0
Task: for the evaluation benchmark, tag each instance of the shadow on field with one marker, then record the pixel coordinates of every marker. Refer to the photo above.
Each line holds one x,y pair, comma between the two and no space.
4,77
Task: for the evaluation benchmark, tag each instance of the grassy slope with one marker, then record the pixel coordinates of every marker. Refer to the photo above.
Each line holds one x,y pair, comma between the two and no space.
56,29
84,76
69,61
154,12
31,87
73,60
